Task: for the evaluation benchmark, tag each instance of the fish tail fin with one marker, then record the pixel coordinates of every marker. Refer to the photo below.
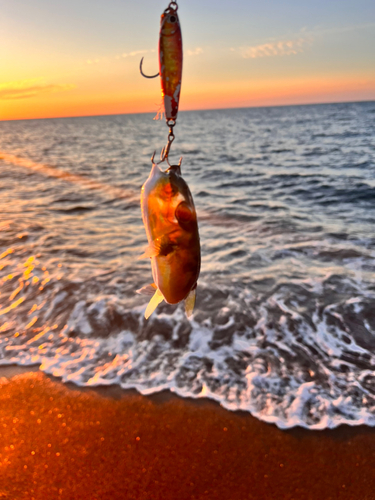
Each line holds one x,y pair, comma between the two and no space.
154,302
190,302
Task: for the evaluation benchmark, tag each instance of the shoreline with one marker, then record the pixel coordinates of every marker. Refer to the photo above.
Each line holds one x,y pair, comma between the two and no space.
62,441
115,391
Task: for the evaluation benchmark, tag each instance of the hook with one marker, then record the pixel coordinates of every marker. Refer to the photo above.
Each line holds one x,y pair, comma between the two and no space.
165,151
146,76
164,155
152,158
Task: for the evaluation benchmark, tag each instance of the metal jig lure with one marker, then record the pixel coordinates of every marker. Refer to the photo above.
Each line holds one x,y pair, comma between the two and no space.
170,70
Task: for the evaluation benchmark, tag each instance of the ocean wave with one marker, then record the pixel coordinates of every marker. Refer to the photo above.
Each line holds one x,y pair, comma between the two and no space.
284,324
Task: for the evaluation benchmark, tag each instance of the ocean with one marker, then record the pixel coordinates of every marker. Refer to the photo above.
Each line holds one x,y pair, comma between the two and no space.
284,323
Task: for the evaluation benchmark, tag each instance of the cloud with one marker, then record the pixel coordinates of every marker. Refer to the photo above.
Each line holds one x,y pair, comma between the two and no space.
280,48
194,52
30,88
298,43
136,53
121,56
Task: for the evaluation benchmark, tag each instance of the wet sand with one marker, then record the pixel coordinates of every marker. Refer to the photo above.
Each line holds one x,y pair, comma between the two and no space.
60,442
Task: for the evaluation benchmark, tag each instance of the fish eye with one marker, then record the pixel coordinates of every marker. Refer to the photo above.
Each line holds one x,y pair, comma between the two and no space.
184,214
172,19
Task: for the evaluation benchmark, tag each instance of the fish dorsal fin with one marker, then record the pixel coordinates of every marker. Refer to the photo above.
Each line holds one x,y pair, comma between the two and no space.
154,302
190,302
147,290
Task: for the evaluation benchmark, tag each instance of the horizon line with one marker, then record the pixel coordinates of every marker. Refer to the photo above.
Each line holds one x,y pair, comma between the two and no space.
193,110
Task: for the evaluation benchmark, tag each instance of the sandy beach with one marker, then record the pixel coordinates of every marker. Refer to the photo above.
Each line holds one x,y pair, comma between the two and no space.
59,442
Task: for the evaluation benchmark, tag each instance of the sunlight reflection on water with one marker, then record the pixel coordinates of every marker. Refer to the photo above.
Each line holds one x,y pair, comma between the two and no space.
284,325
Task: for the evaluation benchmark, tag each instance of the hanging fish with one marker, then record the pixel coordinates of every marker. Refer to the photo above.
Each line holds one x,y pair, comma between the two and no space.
170,62
170,221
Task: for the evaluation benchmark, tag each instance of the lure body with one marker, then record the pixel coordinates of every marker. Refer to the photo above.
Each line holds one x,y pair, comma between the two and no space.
170,62
170,221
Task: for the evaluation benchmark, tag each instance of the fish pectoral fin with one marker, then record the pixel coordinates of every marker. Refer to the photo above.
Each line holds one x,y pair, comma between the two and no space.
151,251
153,304
147,290
159,246
190,302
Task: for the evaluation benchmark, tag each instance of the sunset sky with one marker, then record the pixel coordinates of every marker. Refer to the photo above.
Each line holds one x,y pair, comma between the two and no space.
81,57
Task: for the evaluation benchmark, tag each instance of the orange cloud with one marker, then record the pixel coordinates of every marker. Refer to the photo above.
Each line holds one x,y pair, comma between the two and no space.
30,88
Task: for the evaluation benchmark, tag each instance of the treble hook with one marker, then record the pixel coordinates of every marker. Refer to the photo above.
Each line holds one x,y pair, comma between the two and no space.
164,155
163,158
146,76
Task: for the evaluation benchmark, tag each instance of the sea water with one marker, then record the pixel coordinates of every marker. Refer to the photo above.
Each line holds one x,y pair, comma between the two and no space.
284,324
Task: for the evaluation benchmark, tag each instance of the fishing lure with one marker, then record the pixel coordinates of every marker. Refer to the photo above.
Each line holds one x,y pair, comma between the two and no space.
168,210
170,62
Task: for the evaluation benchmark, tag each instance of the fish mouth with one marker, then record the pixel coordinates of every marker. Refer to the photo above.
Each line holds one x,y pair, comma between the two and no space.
156,170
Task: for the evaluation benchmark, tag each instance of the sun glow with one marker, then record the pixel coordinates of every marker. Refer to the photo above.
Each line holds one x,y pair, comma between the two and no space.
52,67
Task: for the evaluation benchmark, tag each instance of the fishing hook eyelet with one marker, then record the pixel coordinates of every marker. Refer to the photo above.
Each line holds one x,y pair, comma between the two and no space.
173,6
